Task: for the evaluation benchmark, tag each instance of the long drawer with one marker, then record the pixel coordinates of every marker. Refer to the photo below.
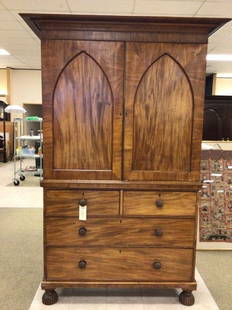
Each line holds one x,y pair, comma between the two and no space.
124,264
120,232
138,203
66,202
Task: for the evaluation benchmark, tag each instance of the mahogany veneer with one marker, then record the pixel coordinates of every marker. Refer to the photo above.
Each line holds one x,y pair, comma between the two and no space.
123,109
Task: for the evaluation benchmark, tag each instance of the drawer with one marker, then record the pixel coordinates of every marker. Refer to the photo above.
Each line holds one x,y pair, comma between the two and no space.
156,203
120,232
124,264
66,202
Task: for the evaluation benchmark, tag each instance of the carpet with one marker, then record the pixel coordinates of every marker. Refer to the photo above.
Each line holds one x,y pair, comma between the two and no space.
117,299
20,256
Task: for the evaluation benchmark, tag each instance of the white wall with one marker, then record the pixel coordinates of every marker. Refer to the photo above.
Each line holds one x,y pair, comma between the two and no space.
25,87
3,82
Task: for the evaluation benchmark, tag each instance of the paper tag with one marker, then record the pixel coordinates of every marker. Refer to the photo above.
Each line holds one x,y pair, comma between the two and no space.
82,213
229,167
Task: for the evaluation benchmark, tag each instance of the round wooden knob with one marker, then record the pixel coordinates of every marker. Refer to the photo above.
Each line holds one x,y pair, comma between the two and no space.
158,232
157,265
82,231
159,203
83,202
82,264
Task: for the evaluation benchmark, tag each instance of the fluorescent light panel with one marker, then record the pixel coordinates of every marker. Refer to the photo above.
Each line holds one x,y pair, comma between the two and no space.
219,57
4,52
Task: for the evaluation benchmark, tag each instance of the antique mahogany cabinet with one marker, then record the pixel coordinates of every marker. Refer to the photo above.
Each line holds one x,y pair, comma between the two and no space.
123,109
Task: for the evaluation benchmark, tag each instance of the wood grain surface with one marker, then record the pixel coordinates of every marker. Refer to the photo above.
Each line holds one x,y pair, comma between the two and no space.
163,118
120,232
144,203
168,186
124,264
164,111
83,106
82,109
122,28
117,284
66,202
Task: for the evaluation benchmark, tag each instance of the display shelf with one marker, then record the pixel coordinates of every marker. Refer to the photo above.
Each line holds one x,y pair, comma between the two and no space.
19,142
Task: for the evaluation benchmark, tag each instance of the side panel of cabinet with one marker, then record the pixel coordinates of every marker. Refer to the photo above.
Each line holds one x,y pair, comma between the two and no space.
163,111
82,109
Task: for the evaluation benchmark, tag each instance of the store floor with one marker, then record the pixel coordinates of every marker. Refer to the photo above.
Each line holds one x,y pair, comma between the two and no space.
21,249
28,194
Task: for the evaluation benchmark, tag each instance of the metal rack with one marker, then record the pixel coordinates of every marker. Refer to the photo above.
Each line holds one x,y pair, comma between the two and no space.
20,154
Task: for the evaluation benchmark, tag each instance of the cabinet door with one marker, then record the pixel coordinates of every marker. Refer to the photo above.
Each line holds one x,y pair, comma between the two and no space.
163,111
82,109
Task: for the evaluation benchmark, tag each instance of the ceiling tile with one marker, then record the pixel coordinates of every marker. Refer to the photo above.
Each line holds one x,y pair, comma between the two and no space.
15,34
153,7
26,53
10,25
36,5
216,9
6,15
24,46
101,6
8,61
2,7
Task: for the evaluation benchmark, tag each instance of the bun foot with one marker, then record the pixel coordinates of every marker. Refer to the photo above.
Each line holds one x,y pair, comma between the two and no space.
186,298
50,297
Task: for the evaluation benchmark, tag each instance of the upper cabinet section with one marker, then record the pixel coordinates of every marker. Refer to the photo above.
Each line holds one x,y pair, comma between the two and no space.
164,99
82,97
122,96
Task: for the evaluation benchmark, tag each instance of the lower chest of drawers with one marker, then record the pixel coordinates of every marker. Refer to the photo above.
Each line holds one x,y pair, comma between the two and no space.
150,237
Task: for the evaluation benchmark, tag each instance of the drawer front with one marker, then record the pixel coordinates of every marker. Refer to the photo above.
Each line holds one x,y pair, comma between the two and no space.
155,203
120,232
66,202
124,264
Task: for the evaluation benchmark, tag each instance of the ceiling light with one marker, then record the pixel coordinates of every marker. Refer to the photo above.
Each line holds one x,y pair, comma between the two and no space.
219,57
4,52
224,75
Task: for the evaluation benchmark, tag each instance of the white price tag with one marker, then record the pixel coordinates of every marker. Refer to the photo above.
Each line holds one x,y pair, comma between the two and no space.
208,181
216,174
82,213
229,167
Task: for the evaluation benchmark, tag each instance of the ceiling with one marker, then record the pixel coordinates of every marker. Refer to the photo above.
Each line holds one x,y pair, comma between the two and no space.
24,47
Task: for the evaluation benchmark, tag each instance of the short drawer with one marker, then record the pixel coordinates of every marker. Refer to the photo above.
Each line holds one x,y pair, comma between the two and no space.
66,202
156,203
124,264
120,232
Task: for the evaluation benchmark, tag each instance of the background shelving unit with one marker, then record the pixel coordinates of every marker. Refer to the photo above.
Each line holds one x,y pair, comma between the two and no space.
21,153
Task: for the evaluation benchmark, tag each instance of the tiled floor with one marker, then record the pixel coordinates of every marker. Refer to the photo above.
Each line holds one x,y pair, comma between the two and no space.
29,195
116,299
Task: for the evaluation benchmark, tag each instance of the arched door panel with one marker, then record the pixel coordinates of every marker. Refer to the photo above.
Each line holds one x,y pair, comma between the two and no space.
83,100
163,113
